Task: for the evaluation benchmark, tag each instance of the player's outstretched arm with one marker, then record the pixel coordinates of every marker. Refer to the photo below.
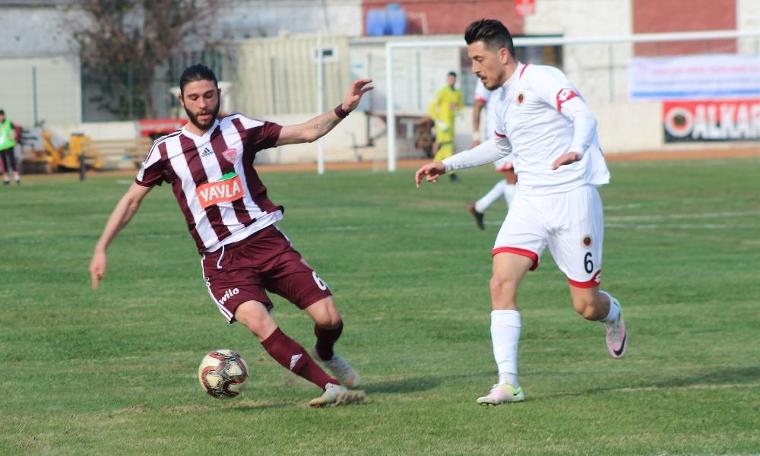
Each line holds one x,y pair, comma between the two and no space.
430,171
320,125
120,217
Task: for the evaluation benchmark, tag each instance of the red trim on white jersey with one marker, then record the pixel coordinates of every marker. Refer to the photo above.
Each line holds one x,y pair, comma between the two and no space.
505,167
523,70
563,96
481,99
517,251
594,282
499,135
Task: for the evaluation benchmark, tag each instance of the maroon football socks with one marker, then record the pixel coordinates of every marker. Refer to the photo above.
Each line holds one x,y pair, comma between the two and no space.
293,357
326,339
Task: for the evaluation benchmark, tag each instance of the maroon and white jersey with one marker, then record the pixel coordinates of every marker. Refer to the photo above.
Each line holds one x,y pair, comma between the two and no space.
212,177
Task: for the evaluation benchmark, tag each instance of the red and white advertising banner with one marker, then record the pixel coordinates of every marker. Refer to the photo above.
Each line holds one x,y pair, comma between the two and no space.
711,120
160,127
525,7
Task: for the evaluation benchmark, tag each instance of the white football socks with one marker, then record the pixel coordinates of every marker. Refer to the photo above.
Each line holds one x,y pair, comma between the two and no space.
496,192
614,312
505,336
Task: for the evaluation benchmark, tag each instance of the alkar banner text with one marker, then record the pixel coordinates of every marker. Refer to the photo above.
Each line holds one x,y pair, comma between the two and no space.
711,120
699,77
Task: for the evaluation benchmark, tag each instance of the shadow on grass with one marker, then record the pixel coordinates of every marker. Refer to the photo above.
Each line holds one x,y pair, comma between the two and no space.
703,379
421,383
714,377
404,385
260,406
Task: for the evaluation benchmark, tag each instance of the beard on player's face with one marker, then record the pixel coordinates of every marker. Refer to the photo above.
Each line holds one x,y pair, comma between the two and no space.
203,111
487,64
492,75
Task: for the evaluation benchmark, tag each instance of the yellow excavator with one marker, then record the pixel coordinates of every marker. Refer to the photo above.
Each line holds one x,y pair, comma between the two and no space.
80,146
50,154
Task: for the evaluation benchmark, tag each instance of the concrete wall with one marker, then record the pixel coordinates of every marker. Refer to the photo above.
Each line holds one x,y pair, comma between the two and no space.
49,86
243,19
748,18
279,75
656,16
450,17
338,144
35,31
418,72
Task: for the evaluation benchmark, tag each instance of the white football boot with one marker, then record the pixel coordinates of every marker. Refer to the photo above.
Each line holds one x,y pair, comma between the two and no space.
336,395
616,334
341,369
501,394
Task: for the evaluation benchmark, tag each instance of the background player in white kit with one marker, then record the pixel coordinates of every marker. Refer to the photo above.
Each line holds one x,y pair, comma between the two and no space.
504,188
209,164
550,134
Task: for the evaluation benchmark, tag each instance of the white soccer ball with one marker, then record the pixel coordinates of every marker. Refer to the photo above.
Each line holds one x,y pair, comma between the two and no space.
223,373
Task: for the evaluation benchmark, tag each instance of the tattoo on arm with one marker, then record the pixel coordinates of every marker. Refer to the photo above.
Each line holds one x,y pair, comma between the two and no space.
324,123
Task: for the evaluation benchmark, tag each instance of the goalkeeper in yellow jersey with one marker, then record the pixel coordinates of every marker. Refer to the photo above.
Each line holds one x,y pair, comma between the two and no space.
443,110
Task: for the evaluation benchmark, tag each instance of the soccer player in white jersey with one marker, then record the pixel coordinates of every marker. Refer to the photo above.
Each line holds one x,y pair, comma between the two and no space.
503,188
550,134
209,164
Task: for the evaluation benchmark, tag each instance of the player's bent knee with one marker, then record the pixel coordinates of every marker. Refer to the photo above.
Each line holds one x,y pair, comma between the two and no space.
255,316
588,303
585,306
325,313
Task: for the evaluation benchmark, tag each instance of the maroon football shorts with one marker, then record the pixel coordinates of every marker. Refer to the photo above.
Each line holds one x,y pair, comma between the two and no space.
265,261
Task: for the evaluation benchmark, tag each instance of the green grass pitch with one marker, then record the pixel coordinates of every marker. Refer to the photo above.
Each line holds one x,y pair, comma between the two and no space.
114,371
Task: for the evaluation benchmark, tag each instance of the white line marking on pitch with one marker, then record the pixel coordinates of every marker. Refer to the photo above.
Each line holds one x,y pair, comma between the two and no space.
696,215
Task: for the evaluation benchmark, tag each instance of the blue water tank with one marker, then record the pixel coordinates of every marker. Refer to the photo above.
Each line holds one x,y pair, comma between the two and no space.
376,22
395,19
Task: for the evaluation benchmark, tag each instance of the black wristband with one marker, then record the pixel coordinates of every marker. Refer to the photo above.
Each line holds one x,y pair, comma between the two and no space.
340,112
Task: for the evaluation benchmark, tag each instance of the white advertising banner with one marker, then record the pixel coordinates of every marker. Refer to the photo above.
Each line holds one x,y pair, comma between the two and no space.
694,77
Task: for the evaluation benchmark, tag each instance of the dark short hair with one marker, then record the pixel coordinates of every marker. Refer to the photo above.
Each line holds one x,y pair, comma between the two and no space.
452,73
2,113
197,72
492,33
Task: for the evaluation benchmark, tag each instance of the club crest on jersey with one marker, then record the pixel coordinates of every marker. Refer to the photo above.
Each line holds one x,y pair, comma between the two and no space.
587,241
228,188
230,155
520,98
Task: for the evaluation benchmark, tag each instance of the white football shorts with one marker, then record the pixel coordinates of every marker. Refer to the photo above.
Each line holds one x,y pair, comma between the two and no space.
571,224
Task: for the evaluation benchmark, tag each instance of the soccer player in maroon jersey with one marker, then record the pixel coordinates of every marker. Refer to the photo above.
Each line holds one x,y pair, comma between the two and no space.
209,164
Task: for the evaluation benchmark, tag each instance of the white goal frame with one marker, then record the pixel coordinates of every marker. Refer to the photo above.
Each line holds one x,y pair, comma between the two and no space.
635,38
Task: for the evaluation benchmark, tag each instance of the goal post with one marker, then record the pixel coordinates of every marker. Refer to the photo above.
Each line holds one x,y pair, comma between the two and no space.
592,63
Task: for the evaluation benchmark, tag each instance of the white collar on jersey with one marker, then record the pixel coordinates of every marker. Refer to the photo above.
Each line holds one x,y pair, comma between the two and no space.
515,76
188,133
